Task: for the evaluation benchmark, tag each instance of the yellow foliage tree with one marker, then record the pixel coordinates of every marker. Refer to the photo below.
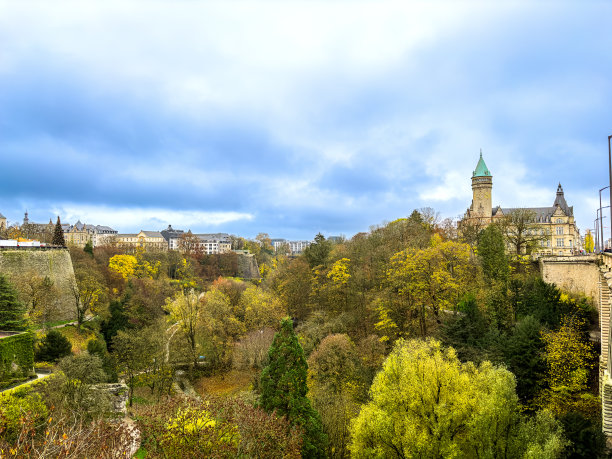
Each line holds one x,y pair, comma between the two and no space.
589,244
123,264
569,357
432,279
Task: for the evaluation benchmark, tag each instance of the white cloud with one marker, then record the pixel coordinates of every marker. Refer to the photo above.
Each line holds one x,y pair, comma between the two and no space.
128,219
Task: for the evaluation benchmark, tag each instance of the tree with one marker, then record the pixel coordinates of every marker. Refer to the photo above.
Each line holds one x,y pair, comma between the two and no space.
38,294
432,279
284,389
316,253
88,248
570,357
523,352
589,244
426,403
140,357
12,311
58,234
334,384
521,231
492,254
185,310
88,292
53,347
190,244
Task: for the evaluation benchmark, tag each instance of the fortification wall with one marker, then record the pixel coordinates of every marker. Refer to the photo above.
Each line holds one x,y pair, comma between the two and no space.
56,264
578,274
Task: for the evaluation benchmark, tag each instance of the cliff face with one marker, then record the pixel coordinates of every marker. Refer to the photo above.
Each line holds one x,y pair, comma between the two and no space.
247,266
54,264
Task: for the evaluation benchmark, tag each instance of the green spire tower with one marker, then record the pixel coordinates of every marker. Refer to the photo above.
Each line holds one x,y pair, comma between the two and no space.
482,184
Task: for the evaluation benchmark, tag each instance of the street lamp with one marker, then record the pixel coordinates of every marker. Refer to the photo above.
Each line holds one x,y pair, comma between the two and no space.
602,236
599,220
610,180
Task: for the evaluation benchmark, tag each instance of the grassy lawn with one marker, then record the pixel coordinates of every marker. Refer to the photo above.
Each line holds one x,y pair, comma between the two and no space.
230,383
78,339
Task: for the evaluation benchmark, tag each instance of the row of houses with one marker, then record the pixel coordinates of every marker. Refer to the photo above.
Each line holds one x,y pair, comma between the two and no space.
79,234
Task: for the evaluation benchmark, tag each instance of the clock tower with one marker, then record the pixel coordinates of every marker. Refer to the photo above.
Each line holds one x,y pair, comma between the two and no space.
482,184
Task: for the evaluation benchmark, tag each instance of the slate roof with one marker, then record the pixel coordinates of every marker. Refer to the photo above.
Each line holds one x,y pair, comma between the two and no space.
152,234
542,214
2,216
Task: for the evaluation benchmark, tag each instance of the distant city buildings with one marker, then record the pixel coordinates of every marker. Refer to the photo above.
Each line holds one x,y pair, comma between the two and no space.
293,247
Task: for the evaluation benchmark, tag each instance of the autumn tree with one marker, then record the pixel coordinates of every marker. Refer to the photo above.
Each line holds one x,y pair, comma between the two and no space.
220,327
426,403
284,389
431,279
569,357
39,294
589,244
58,234
261,309
89,293
189,244
521,231
184,309
334,381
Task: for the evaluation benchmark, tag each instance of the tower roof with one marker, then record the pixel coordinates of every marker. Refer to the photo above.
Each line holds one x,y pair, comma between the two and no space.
481,168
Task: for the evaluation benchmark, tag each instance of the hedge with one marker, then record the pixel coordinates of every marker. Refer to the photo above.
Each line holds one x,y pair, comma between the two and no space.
16,356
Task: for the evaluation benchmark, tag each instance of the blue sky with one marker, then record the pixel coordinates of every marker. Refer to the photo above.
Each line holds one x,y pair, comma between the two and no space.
292,118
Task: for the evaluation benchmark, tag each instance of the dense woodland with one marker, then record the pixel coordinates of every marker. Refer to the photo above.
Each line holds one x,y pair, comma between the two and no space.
406,341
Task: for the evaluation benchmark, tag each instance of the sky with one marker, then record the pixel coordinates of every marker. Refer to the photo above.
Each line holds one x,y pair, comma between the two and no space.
298,117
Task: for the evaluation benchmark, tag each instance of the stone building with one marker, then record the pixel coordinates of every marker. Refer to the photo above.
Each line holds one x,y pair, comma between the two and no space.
148,240
555,224
80,233
2,222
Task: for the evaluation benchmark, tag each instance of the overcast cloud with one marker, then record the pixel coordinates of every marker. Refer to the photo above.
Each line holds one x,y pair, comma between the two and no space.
297,117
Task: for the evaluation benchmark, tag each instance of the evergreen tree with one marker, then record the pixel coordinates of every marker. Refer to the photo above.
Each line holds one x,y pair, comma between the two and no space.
88,248
283,389
58,234
12,312
53,347
316,254
492,254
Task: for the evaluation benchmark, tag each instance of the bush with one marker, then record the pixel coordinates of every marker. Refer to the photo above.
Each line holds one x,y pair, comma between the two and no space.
53,347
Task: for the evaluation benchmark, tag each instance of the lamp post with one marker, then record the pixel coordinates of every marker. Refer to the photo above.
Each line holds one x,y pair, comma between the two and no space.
599,220
610,179
600,208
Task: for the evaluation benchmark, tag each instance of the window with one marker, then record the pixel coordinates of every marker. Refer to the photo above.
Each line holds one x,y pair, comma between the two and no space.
559,220
548,243
571,243
559,230
560,243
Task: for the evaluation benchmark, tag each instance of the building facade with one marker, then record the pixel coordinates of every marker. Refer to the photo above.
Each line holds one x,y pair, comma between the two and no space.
555,225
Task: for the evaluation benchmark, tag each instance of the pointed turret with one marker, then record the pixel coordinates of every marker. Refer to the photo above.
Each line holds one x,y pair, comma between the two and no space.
561,202
482,184
481,168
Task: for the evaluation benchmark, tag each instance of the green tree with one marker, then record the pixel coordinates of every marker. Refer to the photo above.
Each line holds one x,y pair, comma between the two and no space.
58,234
492,254
88,248
316,253
426,403
12,312
53,347
185,310
524,355
284,389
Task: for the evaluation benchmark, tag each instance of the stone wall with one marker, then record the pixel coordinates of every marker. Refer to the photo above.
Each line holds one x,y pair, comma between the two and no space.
56,264
579,274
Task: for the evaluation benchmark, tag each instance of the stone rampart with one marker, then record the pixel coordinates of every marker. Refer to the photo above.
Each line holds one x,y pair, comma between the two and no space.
56,264
578,274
